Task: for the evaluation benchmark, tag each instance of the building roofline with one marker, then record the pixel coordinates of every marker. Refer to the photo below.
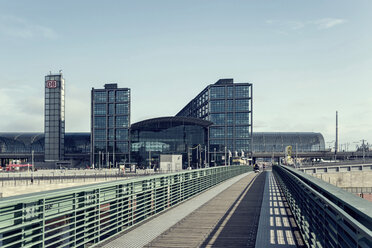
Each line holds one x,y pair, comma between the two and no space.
180,119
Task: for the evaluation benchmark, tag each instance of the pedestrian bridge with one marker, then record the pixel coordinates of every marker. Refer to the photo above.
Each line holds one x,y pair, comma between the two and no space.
213,207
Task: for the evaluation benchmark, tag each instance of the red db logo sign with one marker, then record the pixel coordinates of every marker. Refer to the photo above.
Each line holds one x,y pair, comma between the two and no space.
51,84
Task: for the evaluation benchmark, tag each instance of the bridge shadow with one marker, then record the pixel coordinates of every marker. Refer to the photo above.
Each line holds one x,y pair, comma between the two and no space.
239,228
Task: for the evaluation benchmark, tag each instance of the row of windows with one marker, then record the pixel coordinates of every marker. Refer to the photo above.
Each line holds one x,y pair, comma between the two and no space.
111,96
231,144
118,109
54,105
118,134
230,105
222,132
231,91
120,147
222,119
119,121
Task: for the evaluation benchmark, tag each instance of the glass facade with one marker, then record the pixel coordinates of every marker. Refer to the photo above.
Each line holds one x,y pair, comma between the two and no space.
54,119
229,106
277,142
77,145
110,124
169,135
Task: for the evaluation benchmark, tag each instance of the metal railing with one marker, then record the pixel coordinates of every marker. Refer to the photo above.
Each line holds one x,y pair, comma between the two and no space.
326,215
87,215
337,168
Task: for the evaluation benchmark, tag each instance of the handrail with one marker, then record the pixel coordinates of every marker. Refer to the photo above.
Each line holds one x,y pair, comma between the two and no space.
326,215
85,216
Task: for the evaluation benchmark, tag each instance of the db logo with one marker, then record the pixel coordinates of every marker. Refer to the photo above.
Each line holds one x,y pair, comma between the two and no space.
51,84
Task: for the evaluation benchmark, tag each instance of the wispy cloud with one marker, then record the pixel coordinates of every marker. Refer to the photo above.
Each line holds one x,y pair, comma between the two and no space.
12,26
324,23
327,23
294,25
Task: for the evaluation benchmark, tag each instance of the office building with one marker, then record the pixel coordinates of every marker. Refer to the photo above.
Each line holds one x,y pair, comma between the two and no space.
54,118
229,106
110,120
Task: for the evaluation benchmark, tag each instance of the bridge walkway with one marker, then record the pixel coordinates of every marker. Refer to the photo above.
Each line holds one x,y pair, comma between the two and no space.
231,214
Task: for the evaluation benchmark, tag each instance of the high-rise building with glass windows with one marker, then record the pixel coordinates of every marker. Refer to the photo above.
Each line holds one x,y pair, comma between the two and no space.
110,121
54,117
229,106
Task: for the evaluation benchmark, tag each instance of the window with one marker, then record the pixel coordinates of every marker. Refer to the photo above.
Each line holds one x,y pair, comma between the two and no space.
229,132
230,105
100,122
217,142
111,121
230,145
242,145
242,105
230,119
99,146
122,109
111,134
111,109
121,134
217,92
218,119
111,96
99,96
242,132
99,109
218,106
230,92
241,91
121,121
99,134
242,118
122,96
217,132
122,147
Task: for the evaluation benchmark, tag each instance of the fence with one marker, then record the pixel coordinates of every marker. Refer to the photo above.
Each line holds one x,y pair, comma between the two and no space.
87,215
327,216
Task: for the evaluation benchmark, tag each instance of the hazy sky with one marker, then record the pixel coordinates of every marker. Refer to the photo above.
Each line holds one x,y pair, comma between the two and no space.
306,59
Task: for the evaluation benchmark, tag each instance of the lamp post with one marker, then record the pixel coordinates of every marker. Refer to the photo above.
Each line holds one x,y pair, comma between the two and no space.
99,160
32,160
364,151
225,154
149,159
200,156
215,157
188,157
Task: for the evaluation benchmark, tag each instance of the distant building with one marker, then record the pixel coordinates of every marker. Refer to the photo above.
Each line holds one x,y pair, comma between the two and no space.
110,121
229,106
278,141
170,135
17,145
54,118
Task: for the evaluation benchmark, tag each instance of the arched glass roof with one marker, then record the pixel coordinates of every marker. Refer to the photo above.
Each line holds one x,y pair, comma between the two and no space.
277,141
167,122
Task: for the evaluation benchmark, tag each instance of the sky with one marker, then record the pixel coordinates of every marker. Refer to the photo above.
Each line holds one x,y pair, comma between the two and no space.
305,59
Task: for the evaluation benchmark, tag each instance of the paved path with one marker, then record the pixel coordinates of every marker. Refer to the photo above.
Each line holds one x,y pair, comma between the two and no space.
277,226
147,232
228,220
246,211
